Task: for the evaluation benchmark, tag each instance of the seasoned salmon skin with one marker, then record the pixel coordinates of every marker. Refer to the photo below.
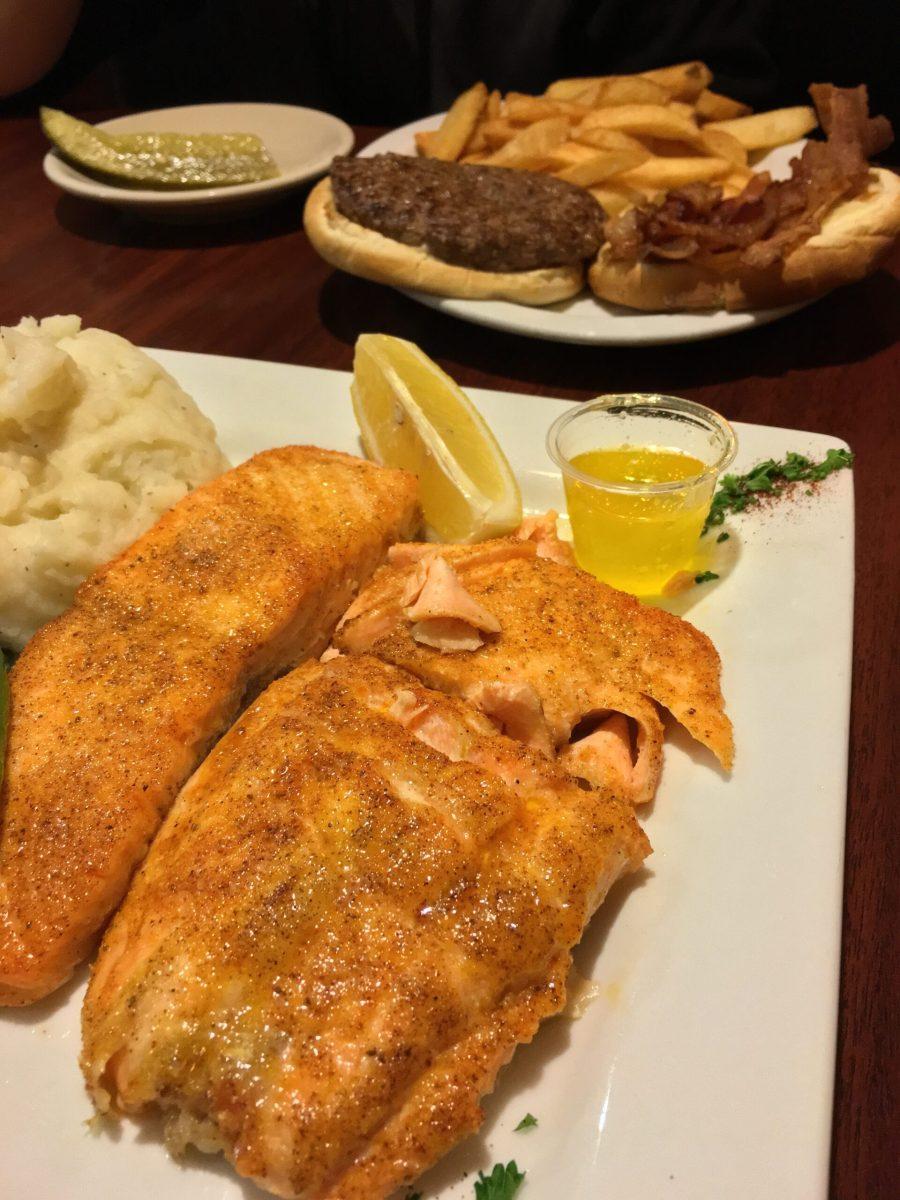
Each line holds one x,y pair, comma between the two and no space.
360,903
116,702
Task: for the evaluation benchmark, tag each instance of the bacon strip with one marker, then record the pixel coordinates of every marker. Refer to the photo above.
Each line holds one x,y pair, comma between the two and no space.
769,218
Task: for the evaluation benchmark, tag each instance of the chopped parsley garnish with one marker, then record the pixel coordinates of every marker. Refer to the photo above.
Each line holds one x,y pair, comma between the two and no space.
527,1122
705,577
737,492
723,537
501,1184
4,710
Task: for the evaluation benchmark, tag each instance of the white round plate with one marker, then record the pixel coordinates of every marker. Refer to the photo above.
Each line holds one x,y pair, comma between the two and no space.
585,318
302,141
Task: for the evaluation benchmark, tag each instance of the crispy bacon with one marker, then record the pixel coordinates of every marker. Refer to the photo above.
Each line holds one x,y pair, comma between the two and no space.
844,116
768,218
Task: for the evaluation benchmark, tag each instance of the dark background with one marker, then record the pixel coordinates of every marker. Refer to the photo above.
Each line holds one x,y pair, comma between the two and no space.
389,61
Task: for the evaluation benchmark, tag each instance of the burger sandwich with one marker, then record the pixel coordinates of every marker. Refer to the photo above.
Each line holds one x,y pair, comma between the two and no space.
455,229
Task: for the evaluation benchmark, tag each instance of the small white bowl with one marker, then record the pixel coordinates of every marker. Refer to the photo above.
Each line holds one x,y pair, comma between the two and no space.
302,141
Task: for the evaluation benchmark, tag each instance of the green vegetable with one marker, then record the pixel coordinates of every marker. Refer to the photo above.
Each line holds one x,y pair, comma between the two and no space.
737,492
4,711
723,537
527,1122
501,1184
705,577
159,160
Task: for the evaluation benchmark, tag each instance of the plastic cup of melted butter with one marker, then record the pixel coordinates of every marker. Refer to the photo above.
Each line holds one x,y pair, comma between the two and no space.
639,473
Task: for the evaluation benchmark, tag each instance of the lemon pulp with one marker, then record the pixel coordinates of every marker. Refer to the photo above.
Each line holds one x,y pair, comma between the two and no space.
637,540
411,414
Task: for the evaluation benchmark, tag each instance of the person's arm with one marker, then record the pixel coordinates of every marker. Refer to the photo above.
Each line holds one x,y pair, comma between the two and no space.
33,35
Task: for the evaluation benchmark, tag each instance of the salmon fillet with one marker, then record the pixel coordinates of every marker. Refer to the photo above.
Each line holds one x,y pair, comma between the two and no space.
116,702
360,903
568,665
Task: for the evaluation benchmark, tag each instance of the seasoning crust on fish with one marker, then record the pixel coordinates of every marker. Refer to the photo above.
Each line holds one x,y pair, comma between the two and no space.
115,703
359,904
569,665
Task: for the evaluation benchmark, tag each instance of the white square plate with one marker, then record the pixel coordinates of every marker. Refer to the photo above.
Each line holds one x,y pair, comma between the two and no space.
703,1070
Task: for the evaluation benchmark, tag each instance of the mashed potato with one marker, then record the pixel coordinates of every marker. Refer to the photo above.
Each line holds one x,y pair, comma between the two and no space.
96,441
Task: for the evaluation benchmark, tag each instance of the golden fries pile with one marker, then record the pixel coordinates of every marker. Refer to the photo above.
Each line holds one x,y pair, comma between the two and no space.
626,138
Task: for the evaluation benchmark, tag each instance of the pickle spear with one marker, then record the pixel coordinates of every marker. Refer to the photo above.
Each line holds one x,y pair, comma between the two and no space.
159,160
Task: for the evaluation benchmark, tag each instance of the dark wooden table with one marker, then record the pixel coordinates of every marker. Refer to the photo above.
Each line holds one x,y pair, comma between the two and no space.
255,288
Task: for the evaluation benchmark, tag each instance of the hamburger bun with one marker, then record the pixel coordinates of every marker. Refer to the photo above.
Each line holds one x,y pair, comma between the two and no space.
371,255
853,238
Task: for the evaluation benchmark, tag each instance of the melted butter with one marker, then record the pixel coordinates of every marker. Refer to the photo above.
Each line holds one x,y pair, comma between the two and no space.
637,540
581,994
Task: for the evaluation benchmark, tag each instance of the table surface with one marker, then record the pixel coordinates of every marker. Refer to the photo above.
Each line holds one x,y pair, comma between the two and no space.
255,288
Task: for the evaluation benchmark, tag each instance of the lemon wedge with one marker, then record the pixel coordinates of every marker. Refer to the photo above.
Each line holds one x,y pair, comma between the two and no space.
412,415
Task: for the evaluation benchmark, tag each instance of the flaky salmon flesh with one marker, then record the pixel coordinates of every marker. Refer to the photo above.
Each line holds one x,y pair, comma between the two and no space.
571,667
359,904
117,701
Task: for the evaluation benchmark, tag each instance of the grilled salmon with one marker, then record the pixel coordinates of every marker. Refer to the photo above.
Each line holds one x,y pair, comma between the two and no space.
117,701
562,662
360,903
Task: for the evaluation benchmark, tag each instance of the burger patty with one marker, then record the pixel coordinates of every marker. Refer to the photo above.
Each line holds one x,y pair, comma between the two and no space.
489,218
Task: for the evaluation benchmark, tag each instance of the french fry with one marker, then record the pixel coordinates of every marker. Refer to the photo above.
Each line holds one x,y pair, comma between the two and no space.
623,89
523,110
602,165
570,153
662,174
477,143
710,106
571,89
666,148
626,138
684,81
742,174
724,145
649,120
606,139
734,184
767,129
424,140
532,146
498,132
616,197
600,90
459,123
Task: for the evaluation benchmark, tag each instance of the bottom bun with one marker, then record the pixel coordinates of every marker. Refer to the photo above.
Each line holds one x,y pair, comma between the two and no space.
371,255
854,236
